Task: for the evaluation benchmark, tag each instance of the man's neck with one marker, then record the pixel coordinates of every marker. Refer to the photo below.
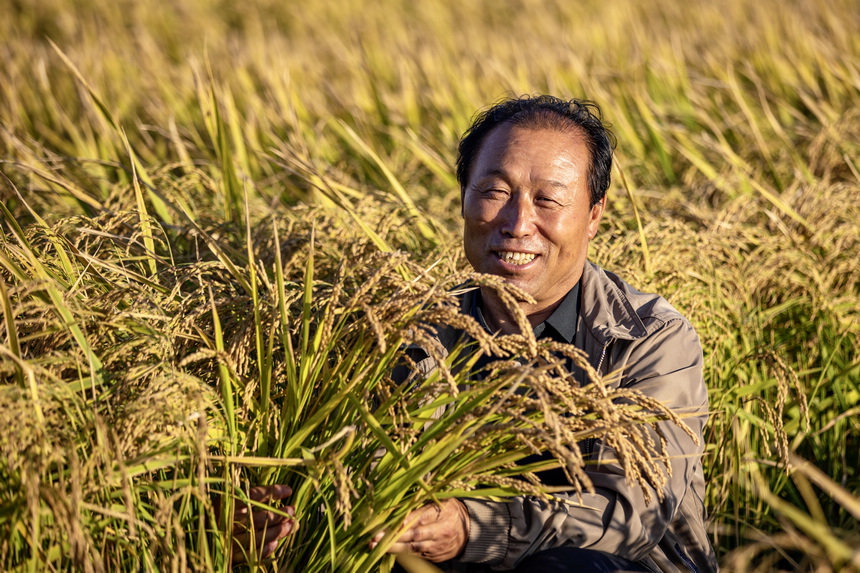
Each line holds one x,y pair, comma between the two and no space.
500,319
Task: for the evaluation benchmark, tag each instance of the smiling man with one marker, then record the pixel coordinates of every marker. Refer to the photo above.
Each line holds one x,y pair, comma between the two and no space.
529,215
533,175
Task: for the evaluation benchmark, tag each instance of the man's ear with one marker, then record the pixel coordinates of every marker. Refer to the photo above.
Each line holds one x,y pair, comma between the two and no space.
594,217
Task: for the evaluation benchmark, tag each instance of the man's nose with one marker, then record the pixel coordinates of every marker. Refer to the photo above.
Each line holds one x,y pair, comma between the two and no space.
518,217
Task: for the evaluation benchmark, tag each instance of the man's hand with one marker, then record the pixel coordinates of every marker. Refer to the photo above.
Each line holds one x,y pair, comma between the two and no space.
437,532
252,543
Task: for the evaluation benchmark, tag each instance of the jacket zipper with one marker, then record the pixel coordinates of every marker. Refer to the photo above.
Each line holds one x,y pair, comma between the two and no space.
603,354
589,443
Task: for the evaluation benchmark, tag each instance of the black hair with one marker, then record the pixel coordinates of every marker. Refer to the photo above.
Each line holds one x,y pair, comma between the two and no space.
545,112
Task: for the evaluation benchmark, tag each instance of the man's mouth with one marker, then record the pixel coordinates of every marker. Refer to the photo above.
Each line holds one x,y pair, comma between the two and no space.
513,258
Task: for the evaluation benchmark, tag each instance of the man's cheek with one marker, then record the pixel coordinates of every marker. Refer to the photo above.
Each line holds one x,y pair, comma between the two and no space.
481,211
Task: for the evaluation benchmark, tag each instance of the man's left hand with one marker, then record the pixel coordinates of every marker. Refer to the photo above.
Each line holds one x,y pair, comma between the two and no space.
437,532
257,532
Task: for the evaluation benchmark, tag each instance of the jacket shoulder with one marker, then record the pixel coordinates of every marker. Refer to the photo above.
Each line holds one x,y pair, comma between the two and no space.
650,311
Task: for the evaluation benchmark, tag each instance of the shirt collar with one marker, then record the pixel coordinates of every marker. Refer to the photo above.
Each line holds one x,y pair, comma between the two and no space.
563,319
561,324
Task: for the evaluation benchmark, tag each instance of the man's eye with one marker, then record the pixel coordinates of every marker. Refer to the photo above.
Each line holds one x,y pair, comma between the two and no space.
546,201
494,193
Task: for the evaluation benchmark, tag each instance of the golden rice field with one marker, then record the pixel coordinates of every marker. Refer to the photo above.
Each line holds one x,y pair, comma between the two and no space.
221,222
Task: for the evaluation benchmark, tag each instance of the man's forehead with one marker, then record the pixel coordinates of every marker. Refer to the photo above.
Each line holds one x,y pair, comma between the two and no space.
513,145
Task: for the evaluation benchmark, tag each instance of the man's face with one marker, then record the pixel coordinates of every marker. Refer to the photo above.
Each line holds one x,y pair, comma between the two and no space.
526,210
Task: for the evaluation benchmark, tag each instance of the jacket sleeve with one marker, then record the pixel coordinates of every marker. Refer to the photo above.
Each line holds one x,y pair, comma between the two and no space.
666,365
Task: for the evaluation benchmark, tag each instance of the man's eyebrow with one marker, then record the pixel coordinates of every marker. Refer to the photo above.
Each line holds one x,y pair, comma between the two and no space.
493,173
502,174
554,183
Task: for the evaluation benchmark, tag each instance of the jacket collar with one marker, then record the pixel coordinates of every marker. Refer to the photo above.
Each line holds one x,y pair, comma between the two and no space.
605,309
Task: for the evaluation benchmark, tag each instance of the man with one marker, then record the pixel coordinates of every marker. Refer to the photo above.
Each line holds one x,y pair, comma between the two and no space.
533,175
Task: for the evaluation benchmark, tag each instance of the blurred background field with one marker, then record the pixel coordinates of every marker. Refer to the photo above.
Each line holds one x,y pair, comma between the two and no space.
208,208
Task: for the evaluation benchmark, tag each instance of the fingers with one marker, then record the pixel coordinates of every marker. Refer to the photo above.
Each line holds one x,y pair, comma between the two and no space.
262,519
242,516
263,537
275,533
418,540
263,494
257,531
410,520
396,547
376,539
266,493
265,540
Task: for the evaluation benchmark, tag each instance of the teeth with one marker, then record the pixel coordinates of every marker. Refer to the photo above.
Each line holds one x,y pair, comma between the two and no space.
516,258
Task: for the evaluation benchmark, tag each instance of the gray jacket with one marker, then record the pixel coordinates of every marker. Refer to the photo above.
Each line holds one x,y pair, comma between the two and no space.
659,354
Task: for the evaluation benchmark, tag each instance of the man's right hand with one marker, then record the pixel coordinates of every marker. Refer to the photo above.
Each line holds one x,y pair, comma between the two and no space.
253,543
437,532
